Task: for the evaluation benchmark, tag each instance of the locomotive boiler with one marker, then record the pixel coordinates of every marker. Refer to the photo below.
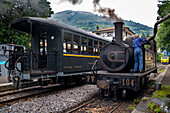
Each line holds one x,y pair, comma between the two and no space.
117,55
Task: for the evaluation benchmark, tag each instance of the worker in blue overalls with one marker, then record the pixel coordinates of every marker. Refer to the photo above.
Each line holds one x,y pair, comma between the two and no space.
138,53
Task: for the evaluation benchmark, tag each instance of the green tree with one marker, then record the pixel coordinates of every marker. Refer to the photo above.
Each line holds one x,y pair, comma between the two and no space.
12,9
163,34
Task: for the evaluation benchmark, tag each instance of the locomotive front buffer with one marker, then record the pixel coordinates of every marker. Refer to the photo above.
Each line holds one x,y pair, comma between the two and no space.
111,83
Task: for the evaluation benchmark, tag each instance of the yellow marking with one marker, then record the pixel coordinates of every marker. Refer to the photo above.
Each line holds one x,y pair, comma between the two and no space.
92,78
88,78
123,80
87,56
132,82
127,82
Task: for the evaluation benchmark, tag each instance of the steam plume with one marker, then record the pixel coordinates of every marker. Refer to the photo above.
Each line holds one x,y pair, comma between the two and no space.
97,7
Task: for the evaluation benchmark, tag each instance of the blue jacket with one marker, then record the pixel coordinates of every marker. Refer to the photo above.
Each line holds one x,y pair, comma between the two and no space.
137,42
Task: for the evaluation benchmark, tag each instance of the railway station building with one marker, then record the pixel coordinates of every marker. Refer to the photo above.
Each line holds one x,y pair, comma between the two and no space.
110,32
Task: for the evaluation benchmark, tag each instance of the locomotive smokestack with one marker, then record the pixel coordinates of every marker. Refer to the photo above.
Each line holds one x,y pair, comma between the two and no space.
118,31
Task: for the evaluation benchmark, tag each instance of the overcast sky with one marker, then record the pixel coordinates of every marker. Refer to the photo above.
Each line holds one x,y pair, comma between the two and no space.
141,11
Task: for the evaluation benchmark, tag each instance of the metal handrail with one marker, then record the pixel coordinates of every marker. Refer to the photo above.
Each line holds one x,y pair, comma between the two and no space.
16,64
93,67
7,62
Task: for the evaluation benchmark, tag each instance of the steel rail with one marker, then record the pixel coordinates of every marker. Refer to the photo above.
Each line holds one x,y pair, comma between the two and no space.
115,108
47,90
76,108
18,91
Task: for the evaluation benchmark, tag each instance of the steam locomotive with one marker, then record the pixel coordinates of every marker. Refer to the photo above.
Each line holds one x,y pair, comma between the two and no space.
117,59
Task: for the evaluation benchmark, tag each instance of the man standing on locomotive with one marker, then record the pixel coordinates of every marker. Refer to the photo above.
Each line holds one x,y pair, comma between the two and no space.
138,53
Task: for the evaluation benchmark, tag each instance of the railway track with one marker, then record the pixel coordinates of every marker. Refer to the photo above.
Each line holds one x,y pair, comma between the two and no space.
14,95
100,105
106,105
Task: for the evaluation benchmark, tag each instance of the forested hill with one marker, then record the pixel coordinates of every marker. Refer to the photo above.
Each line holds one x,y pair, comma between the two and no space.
89,21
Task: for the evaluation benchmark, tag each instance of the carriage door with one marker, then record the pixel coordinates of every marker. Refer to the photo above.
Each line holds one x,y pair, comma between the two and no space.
43,51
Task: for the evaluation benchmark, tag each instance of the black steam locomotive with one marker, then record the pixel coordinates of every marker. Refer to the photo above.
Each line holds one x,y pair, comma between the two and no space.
117,58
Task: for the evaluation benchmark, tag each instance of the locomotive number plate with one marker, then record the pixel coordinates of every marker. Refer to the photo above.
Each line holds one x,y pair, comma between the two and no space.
128,82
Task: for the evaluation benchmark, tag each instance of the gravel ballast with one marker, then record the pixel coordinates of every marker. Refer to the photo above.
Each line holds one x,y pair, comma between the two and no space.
55,102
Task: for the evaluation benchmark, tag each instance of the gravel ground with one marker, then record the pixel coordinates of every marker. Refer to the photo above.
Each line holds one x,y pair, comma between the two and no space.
55,102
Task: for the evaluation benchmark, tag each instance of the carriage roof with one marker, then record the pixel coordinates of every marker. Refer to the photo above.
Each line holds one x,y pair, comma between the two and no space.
24,24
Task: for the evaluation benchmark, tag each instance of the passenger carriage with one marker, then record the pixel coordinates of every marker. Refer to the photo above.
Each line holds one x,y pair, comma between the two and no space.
59,53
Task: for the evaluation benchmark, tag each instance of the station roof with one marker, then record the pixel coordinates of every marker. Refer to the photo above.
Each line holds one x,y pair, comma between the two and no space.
111,29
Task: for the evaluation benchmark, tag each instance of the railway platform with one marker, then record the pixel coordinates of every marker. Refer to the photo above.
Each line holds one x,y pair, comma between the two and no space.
4,84
162,79
3,79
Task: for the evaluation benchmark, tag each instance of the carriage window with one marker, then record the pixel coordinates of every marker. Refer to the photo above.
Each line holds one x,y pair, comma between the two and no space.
90,42
76,39
67,43
67,37
84,41
43,45
95,49
76,44
90,46
83,45
96,44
